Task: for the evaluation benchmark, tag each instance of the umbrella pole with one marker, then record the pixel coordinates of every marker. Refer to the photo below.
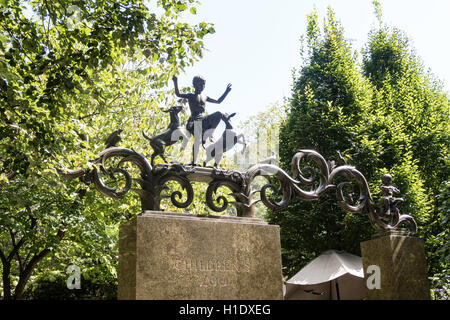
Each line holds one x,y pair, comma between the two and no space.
331,289
337,291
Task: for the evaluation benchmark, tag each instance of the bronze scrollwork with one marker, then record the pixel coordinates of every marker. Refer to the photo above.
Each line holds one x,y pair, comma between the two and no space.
307,183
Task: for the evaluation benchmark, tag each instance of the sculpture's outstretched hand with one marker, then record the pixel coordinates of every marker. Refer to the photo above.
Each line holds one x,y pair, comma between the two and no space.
228,88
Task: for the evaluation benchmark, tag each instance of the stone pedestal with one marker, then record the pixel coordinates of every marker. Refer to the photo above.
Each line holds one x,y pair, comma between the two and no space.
175,256
402,267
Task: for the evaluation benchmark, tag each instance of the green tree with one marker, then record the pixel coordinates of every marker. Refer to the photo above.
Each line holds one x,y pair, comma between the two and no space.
71,72
387,116
329,98
410,132
441,244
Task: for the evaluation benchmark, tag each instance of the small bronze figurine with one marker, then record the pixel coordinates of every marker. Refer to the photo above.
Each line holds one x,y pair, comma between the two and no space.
173,134
114,138
200,125
389,204
227,140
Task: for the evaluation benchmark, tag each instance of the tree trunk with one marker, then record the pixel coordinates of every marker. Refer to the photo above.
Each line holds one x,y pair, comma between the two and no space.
25,275
6,280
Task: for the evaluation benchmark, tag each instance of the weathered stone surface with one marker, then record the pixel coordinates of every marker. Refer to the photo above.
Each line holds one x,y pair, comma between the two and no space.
402,265
182,256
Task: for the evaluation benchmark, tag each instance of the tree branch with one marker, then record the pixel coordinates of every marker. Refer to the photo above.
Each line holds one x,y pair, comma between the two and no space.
11,175
15,250
6,271
107,104
89,115
27,271
25,275
2,256
16,246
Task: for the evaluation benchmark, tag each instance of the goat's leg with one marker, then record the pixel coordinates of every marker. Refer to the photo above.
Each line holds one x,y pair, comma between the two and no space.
163,145
158,147
210,151
242,141
218,157
185,139
153,158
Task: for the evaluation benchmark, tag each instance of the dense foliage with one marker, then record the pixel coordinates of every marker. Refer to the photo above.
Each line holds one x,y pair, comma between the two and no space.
384,115
411,134
71,72
329,96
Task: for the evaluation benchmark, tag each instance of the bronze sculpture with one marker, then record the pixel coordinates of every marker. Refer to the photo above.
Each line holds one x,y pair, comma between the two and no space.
389,204
227,140
200,125
114,138
173,134
153,181
310,186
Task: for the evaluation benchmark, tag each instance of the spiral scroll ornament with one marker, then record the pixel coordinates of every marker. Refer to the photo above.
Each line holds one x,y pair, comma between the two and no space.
388,219
311,177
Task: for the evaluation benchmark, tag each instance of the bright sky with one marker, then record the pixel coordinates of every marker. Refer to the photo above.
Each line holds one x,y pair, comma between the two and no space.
256,44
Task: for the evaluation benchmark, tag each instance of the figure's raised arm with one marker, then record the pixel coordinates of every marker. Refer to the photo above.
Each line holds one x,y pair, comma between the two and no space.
177,91
227,90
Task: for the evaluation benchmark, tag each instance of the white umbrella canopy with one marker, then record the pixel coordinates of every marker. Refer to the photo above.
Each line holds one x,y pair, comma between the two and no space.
334,275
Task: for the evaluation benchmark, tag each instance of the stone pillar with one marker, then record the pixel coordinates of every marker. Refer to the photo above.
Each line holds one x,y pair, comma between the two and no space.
402,268
180,256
